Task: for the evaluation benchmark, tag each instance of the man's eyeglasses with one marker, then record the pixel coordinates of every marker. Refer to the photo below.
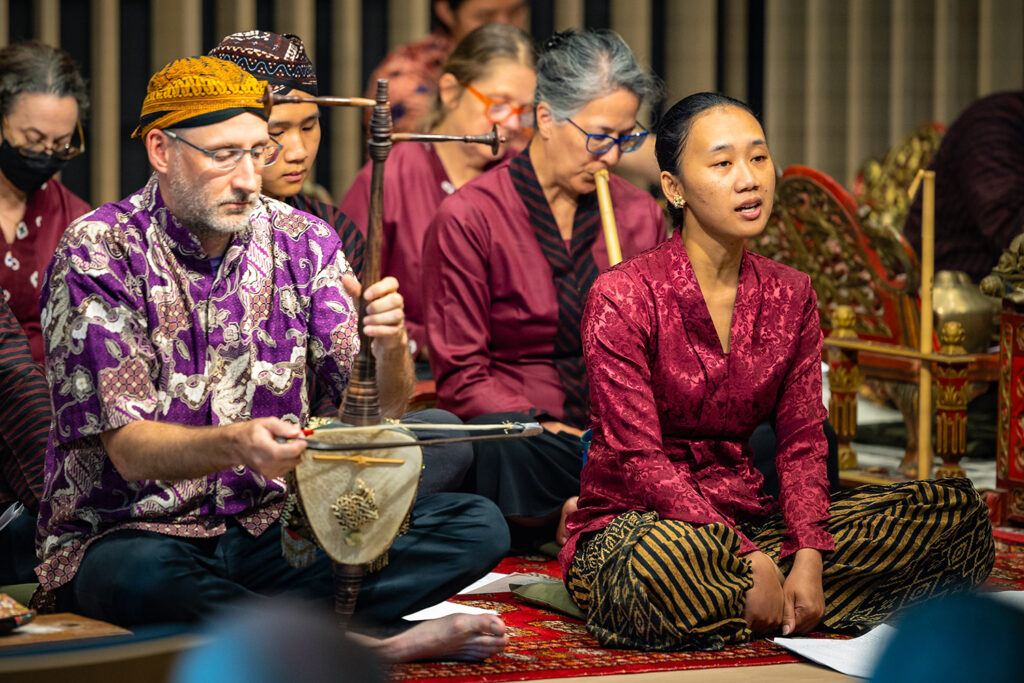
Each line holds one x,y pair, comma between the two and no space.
497,111
64,152
227,158
598,143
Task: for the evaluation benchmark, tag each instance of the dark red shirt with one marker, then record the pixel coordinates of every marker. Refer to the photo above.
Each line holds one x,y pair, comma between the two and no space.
979,187
49,212
492,307
415,184
672,413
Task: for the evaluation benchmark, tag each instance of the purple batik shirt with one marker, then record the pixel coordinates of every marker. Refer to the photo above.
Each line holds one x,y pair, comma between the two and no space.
139,326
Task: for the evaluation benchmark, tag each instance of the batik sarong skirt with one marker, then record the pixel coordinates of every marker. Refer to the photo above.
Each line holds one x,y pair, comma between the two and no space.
654,584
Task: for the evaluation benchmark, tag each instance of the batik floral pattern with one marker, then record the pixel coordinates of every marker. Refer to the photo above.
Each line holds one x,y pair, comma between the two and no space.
139,326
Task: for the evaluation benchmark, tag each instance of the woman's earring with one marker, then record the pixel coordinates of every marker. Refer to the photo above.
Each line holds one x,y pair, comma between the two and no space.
678,201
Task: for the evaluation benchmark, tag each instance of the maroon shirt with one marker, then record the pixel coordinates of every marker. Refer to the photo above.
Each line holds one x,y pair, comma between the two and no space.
50,210
672,413
979,187
415,184
492,309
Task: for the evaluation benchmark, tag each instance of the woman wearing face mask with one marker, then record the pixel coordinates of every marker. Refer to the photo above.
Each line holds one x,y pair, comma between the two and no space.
42,99
488,79
508,263
689,347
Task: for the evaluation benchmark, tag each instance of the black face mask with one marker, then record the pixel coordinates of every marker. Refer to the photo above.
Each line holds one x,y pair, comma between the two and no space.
28,173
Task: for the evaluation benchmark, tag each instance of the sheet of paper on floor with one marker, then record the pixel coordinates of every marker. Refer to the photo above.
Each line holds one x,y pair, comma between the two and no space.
443,609
500,583
1012,598
854,657
494,582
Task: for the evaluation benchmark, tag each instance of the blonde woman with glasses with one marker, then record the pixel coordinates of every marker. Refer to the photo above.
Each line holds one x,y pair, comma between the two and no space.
488,80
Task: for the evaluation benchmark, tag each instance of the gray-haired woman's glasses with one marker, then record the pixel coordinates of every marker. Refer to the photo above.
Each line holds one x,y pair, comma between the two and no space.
598,143
227,158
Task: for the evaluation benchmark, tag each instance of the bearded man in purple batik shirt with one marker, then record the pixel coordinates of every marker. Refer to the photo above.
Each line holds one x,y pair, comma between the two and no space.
182,327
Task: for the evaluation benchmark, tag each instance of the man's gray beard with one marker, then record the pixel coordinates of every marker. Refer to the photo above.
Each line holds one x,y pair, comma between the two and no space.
192,209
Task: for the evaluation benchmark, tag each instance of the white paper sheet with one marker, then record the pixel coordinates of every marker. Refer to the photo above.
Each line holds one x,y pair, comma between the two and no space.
38,629
443,609
500,583
854,657
494,582
1011,598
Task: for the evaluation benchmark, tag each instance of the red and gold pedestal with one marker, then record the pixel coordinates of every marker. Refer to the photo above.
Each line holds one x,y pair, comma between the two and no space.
1010,445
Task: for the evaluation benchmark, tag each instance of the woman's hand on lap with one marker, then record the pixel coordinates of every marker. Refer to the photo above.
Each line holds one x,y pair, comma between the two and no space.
804,595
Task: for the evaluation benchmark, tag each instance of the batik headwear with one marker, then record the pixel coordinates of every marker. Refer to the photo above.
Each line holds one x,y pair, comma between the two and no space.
198,91
279,59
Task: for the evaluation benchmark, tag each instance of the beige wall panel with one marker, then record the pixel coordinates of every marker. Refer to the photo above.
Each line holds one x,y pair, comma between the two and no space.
632,20
408,20
104,125
298,17
1000,46
46,20
956,54
690,47
867,103
825,141
785,106
5,27
234,16
177,31
734,76
913,65
347,139
568,14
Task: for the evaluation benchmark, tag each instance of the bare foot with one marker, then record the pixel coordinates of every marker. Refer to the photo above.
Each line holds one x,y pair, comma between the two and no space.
468,637
569,507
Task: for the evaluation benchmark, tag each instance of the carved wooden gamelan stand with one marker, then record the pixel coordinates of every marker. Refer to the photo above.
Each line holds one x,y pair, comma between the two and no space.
355,498
947,371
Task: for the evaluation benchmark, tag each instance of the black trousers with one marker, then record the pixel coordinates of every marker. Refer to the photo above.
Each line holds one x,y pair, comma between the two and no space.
532,477
444,466
762,443
140,577
18,551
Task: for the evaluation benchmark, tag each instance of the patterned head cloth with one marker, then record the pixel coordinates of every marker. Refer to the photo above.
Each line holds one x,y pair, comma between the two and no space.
279,59
198,91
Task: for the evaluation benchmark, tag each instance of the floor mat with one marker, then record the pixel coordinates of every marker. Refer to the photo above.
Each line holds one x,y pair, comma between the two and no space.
544,644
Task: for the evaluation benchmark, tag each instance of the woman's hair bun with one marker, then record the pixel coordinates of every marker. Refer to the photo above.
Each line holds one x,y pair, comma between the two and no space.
557,40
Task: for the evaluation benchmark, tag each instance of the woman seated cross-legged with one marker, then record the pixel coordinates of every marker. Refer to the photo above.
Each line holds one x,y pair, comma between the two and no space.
689,347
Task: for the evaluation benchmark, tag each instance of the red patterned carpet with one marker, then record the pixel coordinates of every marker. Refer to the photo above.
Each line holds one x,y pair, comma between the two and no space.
545,644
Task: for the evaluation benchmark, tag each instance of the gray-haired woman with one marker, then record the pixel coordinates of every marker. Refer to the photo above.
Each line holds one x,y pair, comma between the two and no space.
42,97
508,261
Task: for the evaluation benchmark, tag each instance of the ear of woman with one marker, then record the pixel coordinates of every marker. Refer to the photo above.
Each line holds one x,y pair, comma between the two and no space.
545,120
449,90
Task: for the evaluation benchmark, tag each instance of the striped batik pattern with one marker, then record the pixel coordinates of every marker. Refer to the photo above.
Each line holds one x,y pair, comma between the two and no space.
25,416
573,274
352,241
654,584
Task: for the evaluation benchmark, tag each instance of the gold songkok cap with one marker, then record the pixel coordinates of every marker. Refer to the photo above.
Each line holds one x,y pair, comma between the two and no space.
198,91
